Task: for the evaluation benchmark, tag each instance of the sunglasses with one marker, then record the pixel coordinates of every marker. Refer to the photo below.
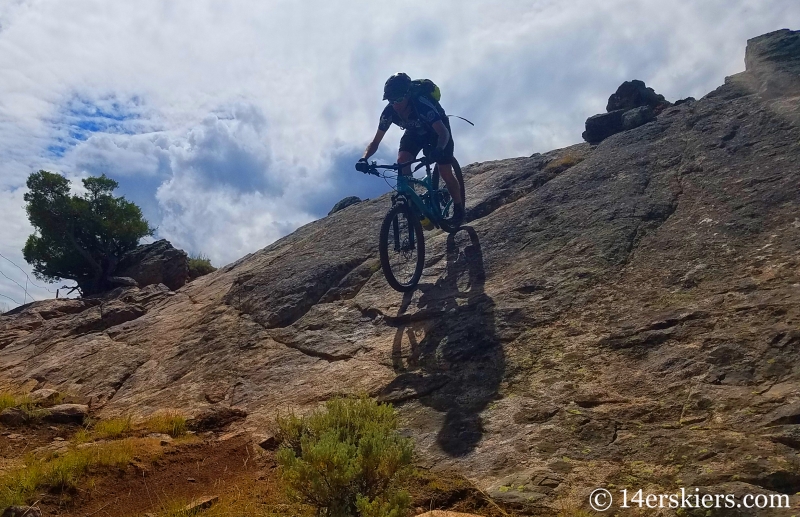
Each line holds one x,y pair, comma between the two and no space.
398,100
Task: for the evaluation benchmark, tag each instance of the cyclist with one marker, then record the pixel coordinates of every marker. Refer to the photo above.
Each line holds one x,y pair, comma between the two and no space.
426,128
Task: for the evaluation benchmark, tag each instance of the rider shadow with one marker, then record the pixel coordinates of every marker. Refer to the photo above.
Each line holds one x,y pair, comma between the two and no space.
457,366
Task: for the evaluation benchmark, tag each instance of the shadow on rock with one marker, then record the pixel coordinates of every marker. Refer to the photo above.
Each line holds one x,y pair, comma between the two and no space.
454,361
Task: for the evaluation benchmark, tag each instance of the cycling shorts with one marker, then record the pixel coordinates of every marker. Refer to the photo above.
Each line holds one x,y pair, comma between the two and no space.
412,142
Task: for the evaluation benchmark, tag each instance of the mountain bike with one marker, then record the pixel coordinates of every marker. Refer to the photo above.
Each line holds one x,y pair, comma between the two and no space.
402,242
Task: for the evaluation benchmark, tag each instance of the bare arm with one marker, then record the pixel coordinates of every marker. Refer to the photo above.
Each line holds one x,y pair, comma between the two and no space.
372,148
442,132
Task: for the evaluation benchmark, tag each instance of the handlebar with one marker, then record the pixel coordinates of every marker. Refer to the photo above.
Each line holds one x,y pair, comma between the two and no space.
374,166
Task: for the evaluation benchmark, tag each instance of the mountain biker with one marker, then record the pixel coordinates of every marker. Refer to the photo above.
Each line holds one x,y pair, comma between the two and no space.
426,128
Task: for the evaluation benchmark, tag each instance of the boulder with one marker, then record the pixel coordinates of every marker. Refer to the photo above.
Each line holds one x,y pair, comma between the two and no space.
67,413
633,105
344,203
13,417
216,418
599,127
155,263
22,511
44,396
637,116
632,94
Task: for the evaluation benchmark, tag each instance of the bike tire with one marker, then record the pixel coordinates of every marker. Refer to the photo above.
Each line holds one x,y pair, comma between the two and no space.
441,197
401,237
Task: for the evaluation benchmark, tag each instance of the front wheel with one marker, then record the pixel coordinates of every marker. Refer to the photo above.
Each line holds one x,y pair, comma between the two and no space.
442,198
402,248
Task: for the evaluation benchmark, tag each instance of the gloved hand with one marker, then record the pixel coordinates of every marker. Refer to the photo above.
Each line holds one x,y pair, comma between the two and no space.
436,154
362,165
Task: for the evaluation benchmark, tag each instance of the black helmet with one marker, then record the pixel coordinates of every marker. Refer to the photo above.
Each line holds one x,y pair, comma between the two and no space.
396,86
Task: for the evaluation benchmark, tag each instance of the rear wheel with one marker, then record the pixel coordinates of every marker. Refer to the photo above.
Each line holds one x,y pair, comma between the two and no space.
441,196
402,248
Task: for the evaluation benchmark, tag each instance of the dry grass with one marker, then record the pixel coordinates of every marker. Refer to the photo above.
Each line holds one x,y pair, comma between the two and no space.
113,428
61,471
33,412
7,400
563,163
168,422
246,499
11,400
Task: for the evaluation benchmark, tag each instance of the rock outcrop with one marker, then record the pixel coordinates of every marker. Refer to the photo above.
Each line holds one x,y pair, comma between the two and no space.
627,319
155,263
632,105
344,203
633,94
773,63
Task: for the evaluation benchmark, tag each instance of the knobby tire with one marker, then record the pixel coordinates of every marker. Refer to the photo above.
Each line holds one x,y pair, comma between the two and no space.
403,222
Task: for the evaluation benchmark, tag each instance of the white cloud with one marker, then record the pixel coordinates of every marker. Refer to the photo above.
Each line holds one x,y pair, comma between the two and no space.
232,123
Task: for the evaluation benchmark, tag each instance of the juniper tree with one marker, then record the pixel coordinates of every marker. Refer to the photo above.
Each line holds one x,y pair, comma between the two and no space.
79,237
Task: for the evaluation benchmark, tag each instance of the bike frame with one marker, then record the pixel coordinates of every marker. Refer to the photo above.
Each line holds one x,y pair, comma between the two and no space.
405,189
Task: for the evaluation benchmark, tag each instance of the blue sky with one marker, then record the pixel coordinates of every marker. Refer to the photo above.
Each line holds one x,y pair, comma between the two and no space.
233,123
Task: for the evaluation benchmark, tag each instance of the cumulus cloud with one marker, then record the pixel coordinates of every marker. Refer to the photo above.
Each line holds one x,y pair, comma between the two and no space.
233,123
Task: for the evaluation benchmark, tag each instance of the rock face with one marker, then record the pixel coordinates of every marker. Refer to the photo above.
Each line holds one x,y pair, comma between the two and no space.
156,263
344,203
628,319
773,61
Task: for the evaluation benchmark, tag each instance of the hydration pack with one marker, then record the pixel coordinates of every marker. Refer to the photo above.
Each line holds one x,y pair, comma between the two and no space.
426,87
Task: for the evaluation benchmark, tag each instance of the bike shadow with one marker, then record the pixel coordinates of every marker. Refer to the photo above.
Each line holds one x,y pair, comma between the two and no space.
457,365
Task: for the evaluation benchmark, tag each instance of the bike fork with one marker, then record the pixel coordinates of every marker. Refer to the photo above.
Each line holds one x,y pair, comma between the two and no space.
396,231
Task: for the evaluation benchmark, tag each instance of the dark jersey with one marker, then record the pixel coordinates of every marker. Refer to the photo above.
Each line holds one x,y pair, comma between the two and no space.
423,114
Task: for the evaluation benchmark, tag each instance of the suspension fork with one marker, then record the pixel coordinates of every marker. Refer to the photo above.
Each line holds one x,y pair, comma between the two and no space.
396,226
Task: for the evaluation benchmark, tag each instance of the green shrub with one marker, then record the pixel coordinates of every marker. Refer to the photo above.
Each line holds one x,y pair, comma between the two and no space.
200,265
346,460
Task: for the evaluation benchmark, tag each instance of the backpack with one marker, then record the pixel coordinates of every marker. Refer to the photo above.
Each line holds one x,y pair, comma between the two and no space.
429,89
426,87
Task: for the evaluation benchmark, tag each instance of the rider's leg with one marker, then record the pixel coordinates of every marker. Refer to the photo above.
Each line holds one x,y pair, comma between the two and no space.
446,170
403,157
410,146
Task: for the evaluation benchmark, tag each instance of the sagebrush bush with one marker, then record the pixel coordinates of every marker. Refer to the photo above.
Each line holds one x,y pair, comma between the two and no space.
200,265
346,459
